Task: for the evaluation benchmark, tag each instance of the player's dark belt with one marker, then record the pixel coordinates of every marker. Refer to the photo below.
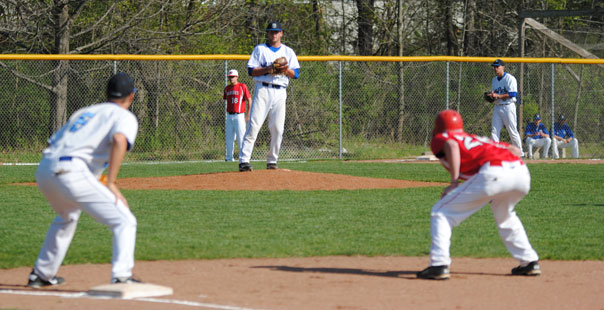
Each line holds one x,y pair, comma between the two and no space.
231,113
272,85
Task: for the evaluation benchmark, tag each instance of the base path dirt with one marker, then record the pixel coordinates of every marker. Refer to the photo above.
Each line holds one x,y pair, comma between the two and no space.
354,282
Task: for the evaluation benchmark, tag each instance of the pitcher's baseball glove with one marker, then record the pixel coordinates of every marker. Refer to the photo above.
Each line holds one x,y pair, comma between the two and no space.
488,96
279,66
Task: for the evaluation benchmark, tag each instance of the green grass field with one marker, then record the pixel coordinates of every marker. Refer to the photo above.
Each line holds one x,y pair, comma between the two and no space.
563,215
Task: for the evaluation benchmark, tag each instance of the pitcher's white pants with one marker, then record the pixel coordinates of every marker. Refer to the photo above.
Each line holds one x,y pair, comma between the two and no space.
503,186
573,144
538,143
68,194
505,115
235,126
267,102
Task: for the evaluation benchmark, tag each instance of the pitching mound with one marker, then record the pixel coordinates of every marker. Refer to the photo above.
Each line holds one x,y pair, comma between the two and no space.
281,179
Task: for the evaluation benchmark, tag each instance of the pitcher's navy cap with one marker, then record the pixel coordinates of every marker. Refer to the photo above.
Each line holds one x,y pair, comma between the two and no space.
498,63
537,117
562,117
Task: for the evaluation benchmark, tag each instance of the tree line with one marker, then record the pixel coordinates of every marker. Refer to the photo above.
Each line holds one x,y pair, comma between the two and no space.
312,27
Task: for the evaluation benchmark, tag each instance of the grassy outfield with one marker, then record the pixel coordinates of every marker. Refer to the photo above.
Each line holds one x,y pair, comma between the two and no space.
563,215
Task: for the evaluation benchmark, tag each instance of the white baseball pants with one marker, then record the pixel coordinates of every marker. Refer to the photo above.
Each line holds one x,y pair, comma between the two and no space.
573,144
235,127
503,186
543,143
70,192
267,102
505,115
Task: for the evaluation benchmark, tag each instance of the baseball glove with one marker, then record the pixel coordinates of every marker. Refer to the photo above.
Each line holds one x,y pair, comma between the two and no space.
279,66
488,96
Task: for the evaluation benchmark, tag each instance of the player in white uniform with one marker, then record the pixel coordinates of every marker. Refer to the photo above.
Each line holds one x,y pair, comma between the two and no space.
95,137
494,174
504,89
564,137
269,95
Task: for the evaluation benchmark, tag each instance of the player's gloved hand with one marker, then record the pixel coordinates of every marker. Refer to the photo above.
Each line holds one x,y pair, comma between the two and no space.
279,66
488,96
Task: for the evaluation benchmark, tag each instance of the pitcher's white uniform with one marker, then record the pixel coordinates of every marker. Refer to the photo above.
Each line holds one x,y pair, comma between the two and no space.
504,112
68,176
268,101
493,174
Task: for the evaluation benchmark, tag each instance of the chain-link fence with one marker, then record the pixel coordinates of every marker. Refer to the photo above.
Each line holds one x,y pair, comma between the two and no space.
336,109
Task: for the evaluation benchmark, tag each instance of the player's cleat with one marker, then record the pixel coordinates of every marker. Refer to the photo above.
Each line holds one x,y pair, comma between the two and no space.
125,280
272,166
245,167
435,273
532,269
36,282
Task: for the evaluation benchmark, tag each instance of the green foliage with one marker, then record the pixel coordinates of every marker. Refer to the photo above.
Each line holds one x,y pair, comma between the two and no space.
529,108
562,222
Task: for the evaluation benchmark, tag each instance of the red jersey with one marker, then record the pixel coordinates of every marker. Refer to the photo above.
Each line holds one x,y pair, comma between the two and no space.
474,151
235,95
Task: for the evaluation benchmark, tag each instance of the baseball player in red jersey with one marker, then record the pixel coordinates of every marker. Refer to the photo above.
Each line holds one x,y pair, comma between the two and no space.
235,94
493,173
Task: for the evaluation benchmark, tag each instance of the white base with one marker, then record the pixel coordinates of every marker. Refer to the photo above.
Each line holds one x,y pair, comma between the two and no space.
427,157
130,290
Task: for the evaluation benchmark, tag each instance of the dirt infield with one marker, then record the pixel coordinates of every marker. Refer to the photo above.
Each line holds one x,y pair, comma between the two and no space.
346,283
356,282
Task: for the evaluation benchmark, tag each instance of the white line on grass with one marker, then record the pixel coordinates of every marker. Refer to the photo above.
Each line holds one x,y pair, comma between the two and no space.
154,300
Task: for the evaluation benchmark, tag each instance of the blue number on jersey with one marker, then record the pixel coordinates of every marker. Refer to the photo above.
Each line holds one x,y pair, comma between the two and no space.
82,120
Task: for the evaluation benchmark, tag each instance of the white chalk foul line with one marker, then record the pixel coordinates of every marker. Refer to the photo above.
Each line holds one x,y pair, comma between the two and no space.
155,300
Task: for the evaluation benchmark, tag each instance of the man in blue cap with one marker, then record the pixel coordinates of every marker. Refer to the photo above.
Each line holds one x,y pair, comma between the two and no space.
536,135
272,65
504,89
564,137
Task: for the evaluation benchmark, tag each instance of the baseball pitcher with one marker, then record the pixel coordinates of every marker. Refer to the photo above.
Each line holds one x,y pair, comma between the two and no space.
271,65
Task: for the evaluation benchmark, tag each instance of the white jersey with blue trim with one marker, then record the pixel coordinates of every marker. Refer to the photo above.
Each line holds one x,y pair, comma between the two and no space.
264,55
88,134
507,84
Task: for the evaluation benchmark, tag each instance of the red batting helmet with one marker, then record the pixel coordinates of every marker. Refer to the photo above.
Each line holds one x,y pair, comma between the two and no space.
447,120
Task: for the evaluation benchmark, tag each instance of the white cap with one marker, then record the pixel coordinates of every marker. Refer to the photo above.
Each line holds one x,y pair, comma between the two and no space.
233,72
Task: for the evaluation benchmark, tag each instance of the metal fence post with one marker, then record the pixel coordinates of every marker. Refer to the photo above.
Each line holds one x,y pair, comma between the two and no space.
447,104
552,109
115,67
340,107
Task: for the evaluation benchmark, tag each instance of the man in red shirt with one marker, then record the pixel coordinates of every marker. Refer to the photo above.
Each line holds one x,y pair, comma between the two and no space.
237,114
493,173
